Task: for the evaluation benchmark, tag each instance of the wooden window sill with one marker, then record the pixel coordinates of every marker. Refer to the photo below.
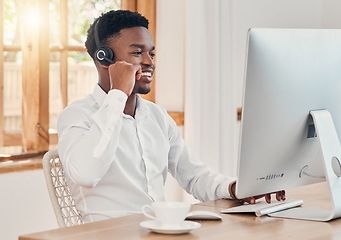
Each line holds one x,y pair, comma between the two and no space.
21,162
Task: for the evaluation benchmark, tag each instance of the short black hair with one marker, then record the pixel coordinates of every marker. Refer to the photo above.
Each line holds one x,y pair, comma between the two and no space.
110,24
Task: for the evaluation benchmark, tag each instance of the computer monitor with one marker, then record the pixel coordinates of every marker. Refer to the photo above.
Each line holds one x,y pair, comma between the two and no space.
289,73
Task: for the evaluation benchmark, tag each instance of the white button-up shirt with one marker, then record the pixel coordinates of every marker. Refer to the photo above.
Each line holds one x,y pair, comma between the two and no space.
116,163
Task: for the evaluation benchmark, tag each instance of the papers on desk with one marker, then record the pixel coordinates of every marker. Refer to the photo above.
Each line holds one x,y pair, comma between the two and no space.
262,208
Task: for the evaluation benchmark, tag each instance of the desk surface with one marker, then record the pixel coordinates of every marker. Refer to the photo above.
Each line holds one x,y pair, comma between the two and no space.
233,226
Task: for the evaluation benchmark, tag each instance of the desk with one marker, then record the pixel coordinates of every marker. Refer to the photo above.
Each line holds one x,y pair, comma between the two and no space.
233,226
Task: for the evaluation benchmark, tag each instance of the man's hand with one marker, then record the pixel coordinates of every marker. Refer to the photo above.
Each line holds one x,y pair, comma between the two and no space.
280,195
123,75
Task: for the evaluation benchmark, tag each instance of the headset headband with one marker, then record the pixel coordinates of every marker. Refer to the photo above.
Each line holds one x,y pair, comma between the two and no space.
98,44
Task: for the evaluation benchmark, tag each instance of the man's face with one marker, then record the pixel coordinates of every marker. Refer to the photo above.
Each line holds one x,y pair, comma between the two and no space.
136,46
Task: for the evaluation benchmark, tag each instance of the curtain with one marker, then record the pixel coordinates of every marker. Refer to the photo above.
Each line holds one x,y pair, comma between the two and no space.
210,112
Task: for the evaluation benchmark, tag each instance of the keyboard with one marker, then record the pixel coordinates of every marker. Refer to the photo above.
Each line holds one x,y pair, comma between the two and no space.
261,208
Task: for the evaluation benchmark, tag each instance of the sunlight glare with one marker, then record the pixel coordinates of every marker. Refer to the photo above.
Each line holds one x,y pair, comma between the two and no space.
32,17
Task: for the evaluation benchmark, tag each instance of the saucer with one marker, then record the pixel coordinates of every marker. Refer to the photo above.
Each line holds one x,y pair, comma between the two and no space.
155,226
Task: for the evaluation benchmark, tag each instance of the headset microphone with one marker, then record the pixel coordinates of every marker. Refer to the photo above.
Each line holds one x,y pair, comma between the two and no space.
103,54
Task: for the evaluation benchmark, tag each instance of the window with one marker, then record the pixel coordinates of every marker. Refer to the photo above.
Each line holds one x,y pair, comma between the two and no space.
44,65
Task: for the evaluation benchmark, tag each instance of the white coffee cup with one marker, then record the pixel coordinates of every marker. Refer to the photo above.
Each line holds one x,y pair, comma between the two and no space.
168,214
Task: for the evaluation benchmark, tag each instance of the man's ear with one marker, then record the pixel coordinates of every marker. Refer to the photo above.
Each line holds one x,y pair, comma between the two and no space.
104,66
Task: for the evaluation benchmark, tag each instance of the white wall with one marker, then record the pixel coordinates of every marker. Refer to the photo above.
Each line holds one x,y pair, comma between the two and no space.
170,54
170,71
24,204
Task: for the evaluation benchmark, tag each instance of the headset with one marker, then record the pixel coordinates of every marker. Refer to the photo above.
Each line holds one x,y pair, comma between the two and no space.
103,54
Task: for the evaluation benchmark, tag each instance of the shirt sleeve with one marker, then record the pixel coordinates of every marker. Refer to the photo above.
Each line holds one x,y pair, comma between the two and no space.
193,175
85,137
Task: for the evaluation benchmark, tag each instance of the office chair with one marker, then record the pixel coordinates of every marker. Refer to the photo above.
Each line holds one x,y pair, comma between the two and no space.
63,204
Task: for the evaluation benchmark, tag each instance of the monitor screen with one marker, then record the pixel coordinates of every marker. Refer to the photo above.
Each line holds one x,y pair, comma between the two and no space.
289,72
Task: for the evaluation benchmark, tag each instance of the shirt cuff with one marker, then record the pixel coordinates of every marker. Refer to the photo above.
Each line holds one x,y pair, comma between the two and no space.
223,189
117,94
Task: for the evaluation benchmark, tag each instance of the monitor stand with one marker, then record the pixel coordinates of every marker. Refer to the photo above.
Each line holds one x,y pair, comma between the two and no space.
331,151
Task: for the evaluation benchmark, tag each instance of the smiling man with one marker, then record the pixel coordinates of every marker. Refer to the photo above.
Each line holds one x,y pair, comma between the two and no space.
116,148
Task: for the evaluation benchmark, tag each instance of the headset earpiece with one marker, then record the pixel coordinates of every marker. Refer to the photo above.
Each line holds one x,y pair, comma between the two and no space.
103,54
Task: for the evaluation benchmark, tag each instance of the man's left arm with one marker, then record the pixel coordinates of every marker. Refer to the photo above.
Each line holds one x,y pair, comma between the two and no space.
193,175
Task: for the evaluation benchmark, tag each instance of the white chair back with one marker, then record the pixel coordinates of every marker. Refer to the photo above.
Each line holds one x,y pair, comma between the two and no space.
62,202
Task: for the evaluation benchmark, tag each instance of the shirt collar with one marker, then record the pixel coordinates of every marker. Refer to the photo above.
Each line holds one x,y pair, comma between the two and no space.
142,108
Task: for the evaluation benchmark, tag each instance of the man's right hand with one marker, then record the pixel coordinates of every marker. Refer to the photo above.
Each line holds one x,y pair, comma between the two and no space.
280,195
123,75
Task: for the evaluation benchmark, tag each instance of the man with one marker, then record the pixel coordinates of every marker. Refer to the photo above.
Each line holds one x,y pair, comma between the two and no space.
117,148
